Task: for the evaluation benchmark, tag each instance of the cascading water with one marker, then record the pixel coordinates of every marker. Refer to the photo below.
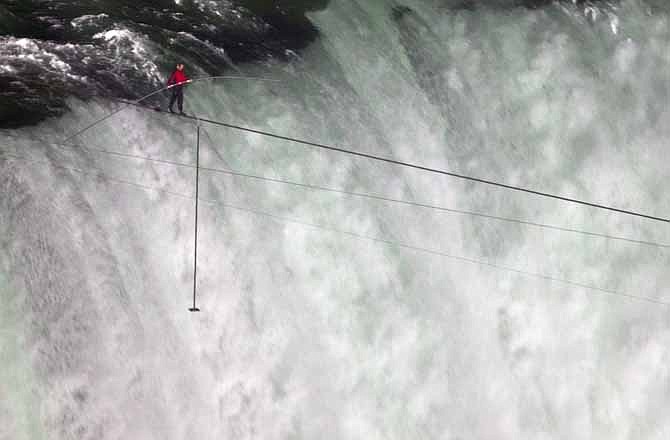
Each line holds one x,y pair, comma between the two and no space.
307,332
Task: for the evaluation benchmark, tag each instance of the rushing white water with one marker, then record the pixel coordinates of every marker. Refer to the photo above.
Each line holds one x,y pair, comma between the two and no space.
306,333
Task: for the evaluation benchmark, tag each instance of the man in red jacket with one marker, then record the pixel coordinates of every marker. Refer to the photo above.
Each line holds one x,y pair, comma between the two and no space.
176,83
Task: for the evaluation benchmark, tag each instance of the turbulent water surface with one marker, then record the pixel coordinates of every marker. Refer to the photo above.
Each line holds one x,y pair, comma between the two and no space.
314,324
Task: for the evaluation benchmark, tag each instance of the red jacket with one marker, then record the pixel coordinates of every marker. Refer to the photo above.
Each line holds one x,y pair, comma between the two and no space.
177,77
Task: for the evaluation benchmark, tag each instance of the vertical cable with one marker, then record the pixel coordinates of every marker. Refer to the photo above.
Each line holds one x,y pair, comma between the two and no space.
195,247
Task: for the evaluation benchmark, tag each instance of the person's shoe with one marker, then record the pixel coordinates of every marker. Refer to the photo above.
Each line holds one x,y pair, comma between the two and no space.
182,113
170,110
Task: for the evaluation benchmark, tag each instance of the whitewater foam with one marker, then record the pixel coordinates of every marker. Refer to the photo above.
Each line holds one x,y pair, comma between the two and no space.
310,334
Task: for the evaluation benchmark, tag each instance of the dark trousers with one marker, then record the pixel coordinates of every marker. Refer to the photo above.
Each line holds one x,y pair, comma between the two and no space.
177,95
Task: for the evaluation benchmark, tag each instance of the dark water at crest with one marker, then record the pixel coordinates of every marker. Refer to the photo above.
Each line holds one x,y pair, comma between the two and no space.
52,50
